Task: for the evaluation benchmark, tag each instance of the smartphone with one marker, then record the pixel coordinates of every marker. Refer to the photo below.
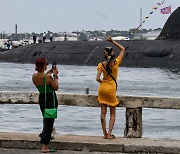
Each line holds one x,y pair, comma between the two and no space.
53,65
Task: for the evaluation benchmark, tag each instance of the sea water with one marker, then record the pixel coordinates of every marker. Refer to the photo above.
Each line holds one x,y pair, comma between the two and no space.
157,123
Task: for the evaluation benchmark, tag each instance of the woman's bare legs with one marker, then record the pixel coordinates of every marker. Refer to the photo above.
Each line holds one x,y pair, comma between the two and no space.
111,121
103,119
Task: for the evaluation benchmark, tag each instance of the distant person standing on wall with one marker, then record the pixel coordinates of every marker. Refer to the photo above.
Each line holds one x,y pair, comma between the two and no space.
44,37
51,37
108,86
8,45
34,38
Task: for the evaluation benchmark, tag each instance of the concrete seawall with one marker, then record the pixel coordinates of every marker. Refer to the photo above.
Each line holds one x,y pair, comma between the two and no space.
90,100
132,143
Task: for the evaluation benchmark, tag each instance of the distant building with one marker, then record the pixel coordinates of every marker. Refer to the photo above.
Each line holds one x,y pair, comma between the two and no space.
120,38
152,35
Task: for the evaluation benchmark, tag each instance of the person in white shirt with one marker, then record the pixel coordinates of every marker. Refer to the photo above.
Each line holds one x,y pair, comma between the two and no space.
51,37
44,37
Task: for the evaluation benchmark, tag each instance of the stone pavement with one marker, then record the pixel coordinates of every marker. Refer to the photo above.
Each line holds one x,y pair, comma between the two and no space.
88,144
32,151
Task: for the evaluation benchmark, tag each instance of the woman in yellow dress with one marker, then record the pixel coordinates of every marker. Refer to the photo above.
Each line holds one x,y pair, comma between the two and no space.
108,86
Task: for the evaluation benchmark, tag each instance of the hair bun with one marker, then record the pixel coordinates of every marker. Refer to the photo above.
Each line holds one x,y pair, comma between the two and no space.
108,49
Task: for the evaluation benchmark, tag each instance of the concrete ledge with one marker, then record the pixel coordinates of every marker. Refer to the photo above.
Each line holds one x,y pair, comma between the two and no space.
91,143
90,100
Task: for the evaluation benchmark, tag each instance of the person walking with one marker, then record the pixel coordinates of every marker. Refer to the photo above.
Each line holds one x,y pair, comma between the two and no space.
34,38
108,86
51,37
44,37
40,80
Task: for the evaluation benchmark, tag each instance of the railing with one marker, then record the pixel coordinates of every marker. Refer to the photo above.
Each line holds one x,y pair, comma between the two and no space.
133,105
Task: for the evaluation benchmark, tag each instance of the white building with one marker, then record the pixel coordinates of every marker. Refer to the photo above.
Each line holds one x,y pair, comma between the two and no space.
152,35
120,38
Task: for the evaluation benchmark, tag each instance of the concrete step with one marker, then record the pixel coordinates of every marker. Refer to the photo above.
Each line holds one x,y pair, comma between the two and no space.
91,143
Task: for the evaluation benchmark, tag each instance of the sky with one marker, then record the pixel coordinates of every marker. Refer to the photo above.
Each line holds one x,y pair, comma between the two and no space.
77,15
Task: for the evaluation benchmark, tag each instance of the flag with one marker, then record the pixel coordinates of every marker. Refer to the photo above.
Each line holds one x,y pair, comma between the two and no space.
166,10
154,8
138,27
163,2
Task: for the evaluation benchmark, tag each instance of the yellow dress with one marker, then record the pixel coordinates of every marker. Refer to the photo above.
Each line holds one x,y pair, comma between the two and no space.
107,88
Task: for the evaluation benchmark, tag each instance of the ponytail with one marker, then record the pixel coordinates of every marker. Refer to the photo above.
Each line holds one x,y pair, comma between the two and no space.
108,55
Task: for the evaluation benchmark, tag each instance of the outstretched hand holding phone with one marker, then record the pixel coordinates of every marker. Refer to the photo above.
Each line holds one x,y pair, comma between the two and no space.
54,70
53,65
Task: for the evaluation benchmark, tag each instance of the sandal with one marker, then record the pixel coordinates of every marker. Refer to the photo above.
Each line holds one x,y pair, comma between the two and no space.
104,137
111,137
49,150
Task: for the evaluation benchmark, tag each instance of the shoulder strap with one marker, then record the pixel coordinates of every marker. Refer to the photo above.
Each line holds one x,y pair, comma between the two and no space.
110,74
45,89
53,99
45,92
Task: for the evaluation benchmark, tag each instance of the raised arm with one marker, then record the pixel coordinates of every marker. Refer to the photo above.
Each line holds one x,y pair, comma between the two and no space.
120,47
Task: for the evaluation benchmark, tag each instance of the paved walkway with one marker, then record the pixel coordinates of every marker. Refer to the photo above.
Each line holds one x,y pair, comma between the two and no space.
32,151
89,144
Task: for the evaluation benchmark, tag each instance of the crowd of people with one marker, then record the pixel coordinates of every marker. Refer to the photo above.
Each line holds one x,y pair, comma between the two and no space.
44,38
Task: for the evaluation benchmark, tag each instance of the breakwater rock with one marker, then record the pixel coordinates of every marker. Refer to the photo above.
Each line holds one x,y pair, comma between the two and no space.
141,53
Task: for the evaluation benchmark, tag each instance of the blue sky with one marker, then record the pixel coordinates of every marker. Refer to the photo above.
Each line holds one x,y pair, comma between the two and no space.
71,15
